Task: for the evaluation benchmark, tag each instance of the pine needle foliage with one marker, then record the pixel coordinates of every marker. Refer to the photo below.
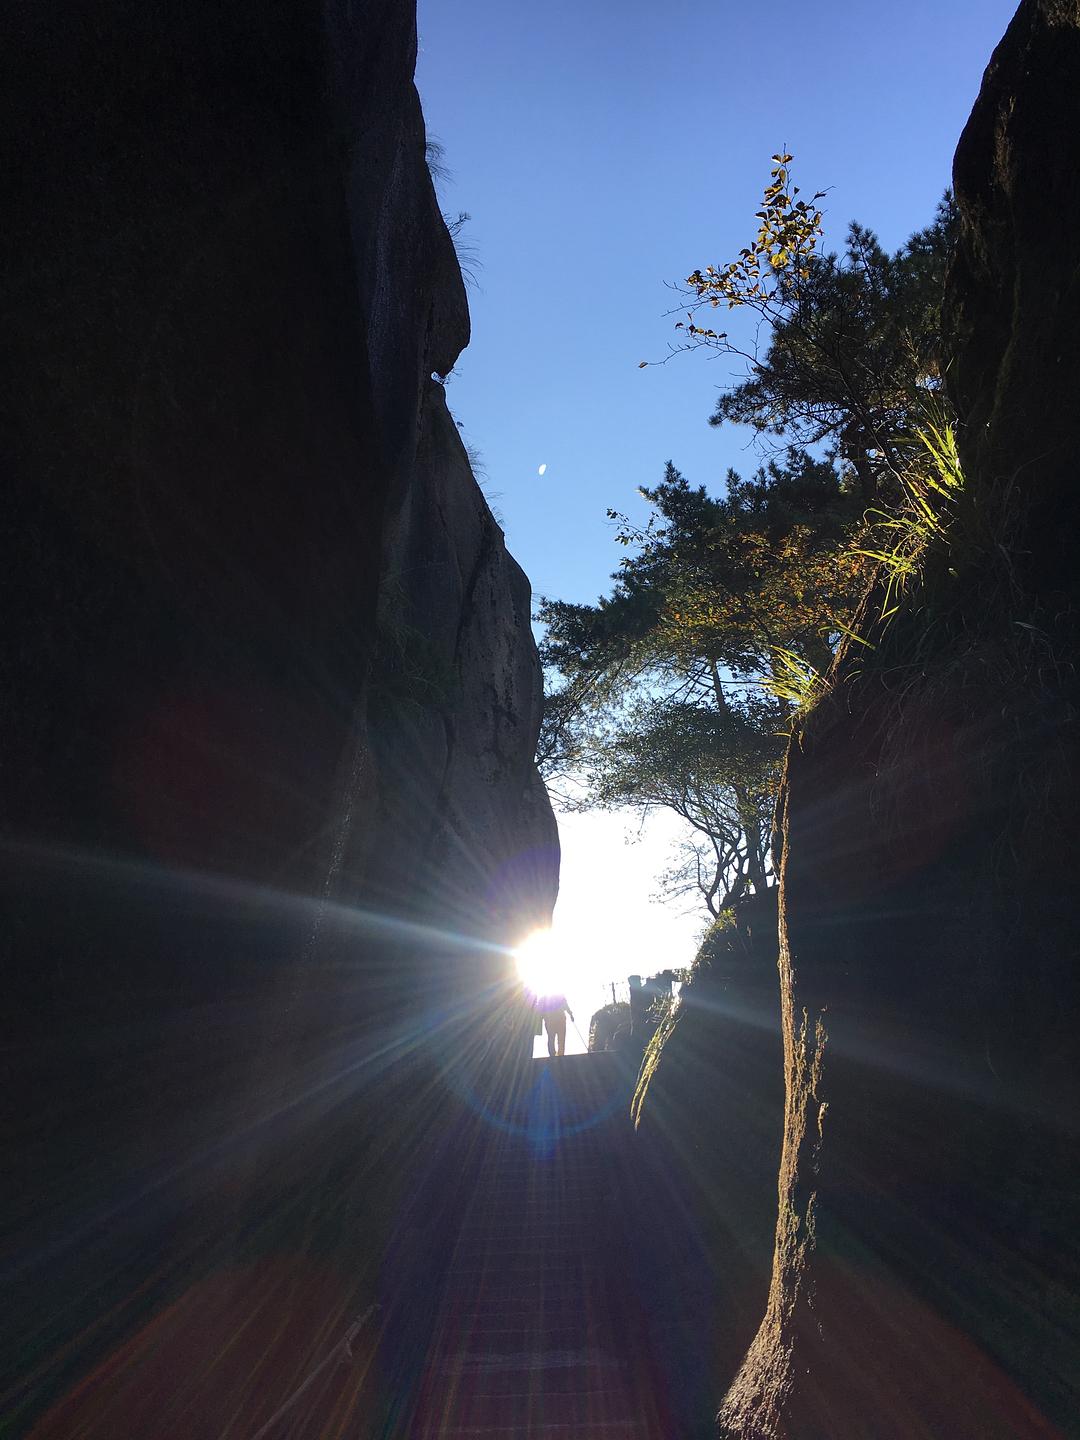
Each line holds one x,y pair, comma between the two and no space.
844,347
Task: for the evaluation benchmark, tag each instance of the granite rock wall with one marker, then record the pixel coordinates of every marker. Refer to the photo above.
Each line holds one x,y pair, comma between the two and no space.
927,1267
270,693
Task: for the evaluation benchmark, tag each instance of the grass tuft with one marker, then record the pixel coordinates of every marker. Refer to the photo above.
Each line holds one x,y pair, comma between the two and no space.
931,481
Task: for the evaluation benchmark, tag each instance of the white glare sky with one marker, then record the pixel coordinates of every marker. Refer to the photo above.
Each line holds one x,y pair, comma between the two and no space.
607,926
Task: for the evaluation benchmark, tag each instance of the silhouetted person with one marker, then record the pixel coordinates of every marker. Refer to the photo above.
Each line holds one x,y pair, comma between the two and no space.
554,1009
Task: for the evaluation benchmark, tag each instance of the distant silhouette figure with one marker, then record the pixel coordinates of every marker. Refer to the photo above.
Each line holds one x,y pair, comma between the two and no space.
554,1010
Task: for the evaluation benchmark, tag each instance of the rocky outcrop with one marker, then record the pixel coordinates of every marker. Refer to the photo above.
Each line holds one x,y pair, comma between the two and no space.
927,1264
270,691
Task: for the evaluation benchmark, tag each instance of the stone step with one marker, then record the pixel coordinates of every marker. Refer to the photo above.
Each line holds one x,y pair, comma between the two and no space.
531,1259
509,1204
525,1288
595,1430
574,1280
524,1335
510,1240
528,1299
522,1298
475,1307
557,1243
552,1378
527,1414
536,1185
577,1277
519,1336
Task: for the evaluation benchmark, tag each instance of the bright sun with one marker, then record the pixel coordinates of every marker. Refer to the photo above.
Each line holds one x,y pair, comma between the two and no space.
541,964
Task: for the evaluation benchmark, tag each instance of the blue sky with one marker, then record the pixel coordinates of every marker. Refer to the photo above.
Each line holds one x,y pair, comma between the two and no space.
603,148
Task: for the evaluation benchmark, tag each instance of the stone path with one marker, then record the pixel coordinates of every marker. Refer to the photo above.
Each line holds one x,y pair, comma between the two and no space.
538,1335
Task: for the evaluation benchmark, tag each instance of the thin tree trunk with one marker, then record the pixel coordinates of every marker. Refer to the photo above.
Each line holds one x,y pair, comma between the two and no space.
755,867
755,863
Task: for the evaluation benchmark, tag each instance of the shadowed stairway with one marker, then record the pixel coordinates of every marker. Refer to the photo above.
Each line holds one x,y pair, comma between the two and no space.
539,1329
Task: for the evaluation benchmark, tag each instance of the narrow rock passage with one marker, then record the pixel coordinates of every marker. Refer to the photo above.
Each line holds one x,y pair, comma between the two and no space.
540,1331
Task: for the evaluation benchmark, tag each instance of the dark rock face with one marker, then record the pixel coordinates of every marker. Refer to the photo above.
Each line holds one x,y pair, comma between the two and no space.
1014,299
927,1262
457,701
270,691
709,1113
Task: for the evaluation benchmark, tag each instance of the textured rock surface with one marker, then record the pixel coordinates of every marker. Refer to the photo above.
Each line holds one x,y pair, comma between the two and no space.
269,684
457,702
709,1114
927,1268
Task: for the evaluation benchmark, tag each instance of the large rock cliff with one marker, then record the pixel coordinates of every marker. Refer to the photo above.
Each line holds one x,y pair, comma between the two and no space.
270,693
927,1257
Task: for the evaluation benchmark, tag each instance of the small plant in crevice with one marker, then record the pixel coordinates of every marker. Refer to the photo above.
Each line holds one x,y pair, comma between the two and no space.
476,462
466,250
795,681
931,480
482,477
435,155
